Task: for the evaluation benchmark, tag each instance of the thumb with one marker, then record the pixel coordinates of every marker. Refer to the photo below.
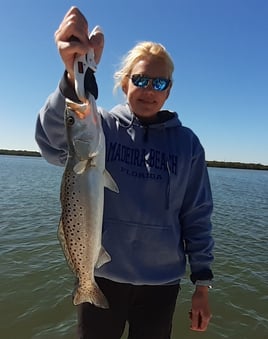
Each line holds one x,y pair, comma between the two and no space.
96,41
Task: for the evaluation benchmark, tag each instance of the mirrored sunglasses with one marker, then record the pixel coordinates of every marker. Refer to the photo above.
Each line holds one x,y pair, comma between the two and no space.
158,84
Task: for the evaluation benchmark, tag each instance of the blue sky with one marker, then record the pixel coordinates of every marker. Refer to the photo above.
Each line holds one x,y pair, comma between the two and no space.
219,47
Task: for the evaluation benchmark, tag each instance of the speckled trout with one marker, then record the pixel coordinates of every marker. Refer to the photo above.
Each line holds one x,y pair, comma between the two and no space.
82,196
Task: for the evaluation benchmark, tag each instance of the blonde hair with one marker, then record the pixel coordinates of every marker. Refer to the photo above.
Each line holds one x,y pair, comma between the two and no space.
142,50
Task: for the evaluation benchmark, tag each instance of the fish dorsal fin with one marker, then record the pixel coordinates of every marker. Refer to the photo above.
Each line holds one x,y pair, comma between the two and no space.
80,167
109,182
103,258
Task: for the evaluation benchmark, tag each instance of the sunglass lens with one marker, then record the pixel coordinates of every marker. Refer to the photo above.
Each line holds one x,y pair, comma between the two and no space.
140,81
160,84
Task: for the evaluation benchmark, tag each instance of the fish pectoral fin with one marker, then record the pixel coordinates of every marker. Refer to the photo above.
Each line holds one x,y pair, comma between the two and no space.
82,148
109,182
103,258
80,167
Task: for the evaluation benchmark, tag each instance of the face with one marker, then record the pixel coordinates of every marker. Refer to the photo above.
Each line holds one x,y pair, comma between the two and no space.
146,102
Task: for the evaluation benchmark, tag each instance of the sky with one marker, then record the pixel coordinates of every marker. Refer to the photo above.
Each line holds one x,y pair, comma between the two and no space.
219,47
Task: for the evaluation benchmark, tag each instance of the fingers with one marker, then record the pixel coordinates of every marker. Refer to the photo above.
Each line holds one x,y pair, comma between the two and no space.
97,42
73,31
199,320
72,38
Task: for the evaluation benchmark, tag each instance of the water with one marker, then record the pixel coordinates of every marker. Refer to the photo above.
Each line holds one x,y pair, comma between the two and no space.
36,285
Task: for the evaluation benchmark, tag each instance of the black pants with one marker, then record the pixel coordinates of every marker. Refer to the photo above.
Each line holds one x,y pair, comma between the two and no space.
148,310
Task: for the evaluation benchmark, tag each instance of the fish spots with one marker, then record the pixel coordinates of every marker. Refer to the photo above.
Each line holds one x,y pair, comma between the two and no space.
72,219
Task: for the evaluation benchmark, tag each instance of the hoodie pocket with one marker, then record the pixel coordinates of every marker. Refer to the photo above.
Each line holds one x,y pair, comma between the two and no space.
144,253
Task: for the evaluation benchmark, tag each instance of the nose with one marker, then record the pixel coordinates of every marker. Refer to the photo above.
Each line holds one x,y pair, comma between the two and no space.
149,87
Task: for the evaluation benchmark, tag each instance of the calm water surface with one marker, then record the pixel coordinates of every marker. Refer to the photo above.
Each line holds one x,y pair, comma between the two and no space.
36,284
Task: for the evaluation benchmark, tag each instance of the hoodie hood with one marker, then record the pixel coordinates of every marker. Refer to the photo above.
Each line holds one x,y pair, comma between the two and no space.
163,119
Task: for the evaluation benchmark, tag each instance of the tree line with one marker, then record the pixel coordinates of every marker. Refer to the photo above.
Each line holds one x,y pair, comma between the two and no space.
221,164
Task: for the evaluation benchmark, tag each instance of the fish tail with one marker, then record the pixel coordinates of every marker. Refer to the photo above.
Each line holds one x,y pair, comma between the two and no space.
90,293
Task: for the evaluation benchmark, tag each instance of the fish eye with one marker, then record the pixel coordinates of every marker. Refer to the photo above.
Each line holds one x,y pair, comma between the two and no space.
70,121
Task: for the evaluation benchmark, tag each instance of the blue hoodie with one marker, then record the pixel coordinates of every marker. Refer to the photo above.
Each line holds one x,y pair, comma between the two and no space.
162,213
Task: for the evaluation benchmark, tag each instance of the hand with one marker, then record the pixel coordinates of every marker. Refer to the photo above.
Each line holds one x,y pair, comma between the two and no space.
200,314
72,38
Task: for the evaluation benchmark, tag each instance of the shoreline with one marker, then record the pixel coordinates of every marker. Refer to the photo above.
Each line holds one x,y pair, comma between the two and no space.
213,163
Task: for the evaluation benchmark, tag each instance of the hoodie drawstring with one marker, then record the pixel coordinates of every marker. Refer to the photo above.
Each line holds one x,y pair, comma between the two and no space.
168,186
167,191
168,171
